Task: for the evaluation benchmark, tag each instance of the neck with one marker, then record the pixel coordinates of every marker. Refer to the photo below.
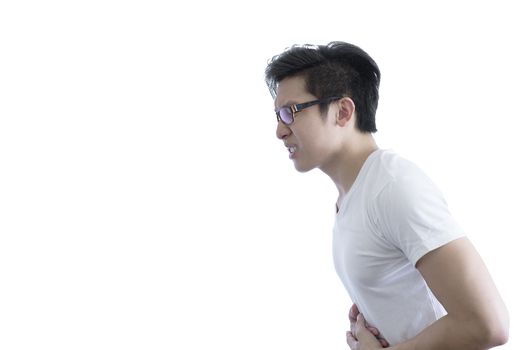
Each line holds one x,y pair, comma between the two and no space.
344,166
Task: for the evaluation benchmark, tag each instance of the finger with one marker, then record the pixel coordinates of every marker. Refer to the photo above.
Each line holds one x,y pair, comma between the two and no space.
353,312
361,332
373,330
361,321
351,341
383,342
376,333
352,324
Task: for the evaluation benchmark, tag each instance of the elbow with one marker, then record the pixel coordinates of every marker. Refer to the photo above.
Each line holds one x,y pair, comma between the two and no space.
501,338
495,332
498,335
500,328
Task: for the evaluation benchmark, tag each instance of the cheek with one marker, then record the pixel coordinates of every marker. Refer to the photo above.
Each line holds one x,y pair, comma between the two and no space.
314,153
320,143
314,139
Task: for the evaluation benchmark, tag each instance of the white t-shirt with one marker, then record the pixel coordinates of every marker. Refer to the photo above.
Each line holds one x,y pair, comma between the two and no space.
392,216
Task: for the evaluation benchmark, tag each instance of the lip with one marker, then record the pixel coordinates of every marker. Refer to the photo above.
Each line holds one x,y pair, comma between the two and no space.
294,154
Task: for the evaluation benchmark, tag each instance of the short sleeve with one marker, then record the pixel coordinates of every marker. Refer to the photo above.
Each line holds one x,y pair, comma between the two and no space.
414,216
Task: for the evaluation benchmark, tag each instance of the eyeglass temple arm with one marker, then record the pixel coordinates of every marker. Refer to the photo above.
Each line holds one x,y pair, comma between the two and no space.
301,106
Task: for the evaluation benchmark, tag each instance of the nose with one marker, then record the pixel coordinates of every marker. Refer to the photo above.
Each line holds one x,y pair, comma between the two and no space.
283,130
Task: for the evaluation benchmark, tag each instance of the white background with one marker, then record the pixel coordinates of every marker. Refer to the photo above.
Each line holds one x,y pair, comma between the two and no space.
145,202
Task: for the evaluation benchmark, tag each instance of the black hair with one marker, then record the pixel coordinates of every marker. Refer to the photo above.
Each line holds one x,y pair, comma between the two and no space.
335,69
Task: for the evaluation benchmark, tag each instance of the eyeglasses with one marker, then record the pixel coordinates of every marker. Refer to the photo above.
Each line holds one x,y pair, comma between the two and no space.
286,115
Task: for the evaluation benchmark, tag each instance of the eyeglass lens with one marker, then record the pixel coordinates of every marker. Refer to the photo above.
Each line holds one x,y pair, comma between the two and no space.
286,115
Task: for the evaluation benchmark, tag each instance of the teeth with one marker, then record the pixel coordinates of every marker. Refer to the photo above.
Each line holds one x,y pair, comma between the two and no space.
292,149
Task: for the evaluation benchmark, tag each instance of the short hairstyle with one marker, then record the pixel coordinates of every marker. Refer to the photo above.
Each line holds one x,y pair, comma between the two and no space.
335,69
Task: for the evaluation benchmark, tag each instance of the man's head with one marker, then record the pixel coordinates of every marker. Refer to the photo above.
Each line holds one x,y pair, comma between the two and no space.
337,69
325,99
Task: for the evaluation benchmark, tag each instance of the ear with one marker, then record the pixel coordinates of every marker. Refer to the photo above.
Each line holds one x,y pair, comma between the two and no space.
346,111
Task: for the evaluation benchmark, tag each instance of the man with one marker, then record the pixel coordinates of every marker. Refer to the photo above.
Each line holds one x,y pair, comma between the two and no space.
416,280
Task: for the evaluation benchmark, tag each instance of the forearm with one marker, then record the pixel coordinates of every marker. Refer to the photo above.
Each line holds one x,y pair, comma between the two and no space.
451,333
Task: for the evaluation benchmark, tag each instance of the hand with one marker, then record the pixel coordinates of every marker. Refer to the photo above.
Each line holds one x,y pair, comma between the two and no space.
352,337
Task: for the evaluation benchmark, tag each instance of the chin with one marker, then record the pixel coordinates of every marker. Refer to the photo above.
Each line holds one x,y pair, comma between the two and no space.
302,168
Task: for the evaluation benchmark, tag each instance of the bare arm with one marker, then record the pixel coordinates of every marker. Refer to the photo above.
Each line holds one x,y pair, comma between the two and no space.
477,317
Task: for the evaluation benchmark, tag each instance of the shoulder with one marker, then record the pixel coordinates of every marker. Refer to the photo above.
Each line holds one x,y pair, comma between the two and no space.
398,179
407,197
